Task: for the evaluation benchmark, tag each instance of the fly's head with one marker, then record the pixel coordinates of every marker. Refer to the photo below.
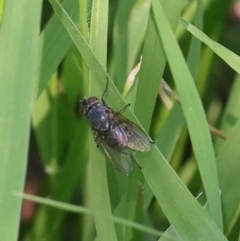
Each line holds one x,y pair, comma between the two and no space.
87,104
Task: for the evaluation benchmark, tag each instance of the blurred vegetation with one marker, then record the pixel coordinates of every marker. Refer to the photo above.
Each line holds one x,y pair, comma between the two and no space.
64,163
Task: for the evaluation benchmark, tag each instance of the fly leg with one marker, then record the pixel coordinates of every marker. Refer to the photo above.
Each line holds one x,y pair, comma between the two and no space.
104,93
123,109
96,137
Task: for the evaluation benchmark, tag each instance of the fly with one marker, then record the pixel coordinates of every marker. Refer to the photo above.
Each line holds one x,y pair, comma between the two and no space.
113,133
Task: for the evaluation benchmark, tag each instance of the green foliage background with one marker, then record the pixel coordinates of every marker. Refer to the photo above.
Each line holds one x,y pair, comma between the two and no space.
187,187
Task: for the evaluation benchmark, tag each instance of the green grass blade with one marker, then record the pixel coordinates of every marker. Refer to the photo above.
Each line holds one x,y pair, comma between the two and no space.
53,47
231,112
136,30
166,140
84,29
194,114
99,194
194,54
18,58
126,206
120,43
229,169
182,210
228,158
1,9
232,59
82,45
150,73
100,199
83,210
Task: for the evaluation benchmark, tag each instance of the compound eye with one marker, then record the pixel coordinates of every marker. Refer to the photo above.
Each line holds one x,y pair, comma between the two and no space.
92,100
87,104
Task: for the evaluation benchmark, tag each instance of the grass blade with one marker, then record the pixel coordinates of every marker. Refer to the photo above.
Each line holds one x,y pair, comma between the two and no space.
83,210
194,114
150,73
232,59
100,199
229,177
53,47
18,57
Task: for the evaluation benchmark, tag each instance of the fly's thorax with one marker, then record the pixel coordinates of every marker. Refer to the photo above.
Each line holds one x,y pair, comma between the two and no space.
97,114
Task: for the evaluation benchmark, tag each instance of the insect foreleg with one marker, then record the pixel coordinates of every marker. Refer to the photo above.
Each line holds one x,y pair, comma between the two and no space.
126,106
104,93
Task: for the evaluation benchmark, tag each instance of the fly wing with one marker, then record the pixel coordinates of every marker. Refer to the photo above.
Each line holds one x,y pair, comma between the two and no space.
137,139
122,160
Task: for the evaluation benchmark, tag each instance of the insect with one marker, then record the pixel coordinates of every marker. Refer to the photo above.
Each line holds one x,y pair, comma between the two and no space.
113,133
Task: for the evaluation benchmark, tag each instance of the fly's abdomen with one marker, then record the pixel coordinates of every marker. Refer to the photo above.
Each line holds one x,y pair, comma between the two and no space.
115,137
